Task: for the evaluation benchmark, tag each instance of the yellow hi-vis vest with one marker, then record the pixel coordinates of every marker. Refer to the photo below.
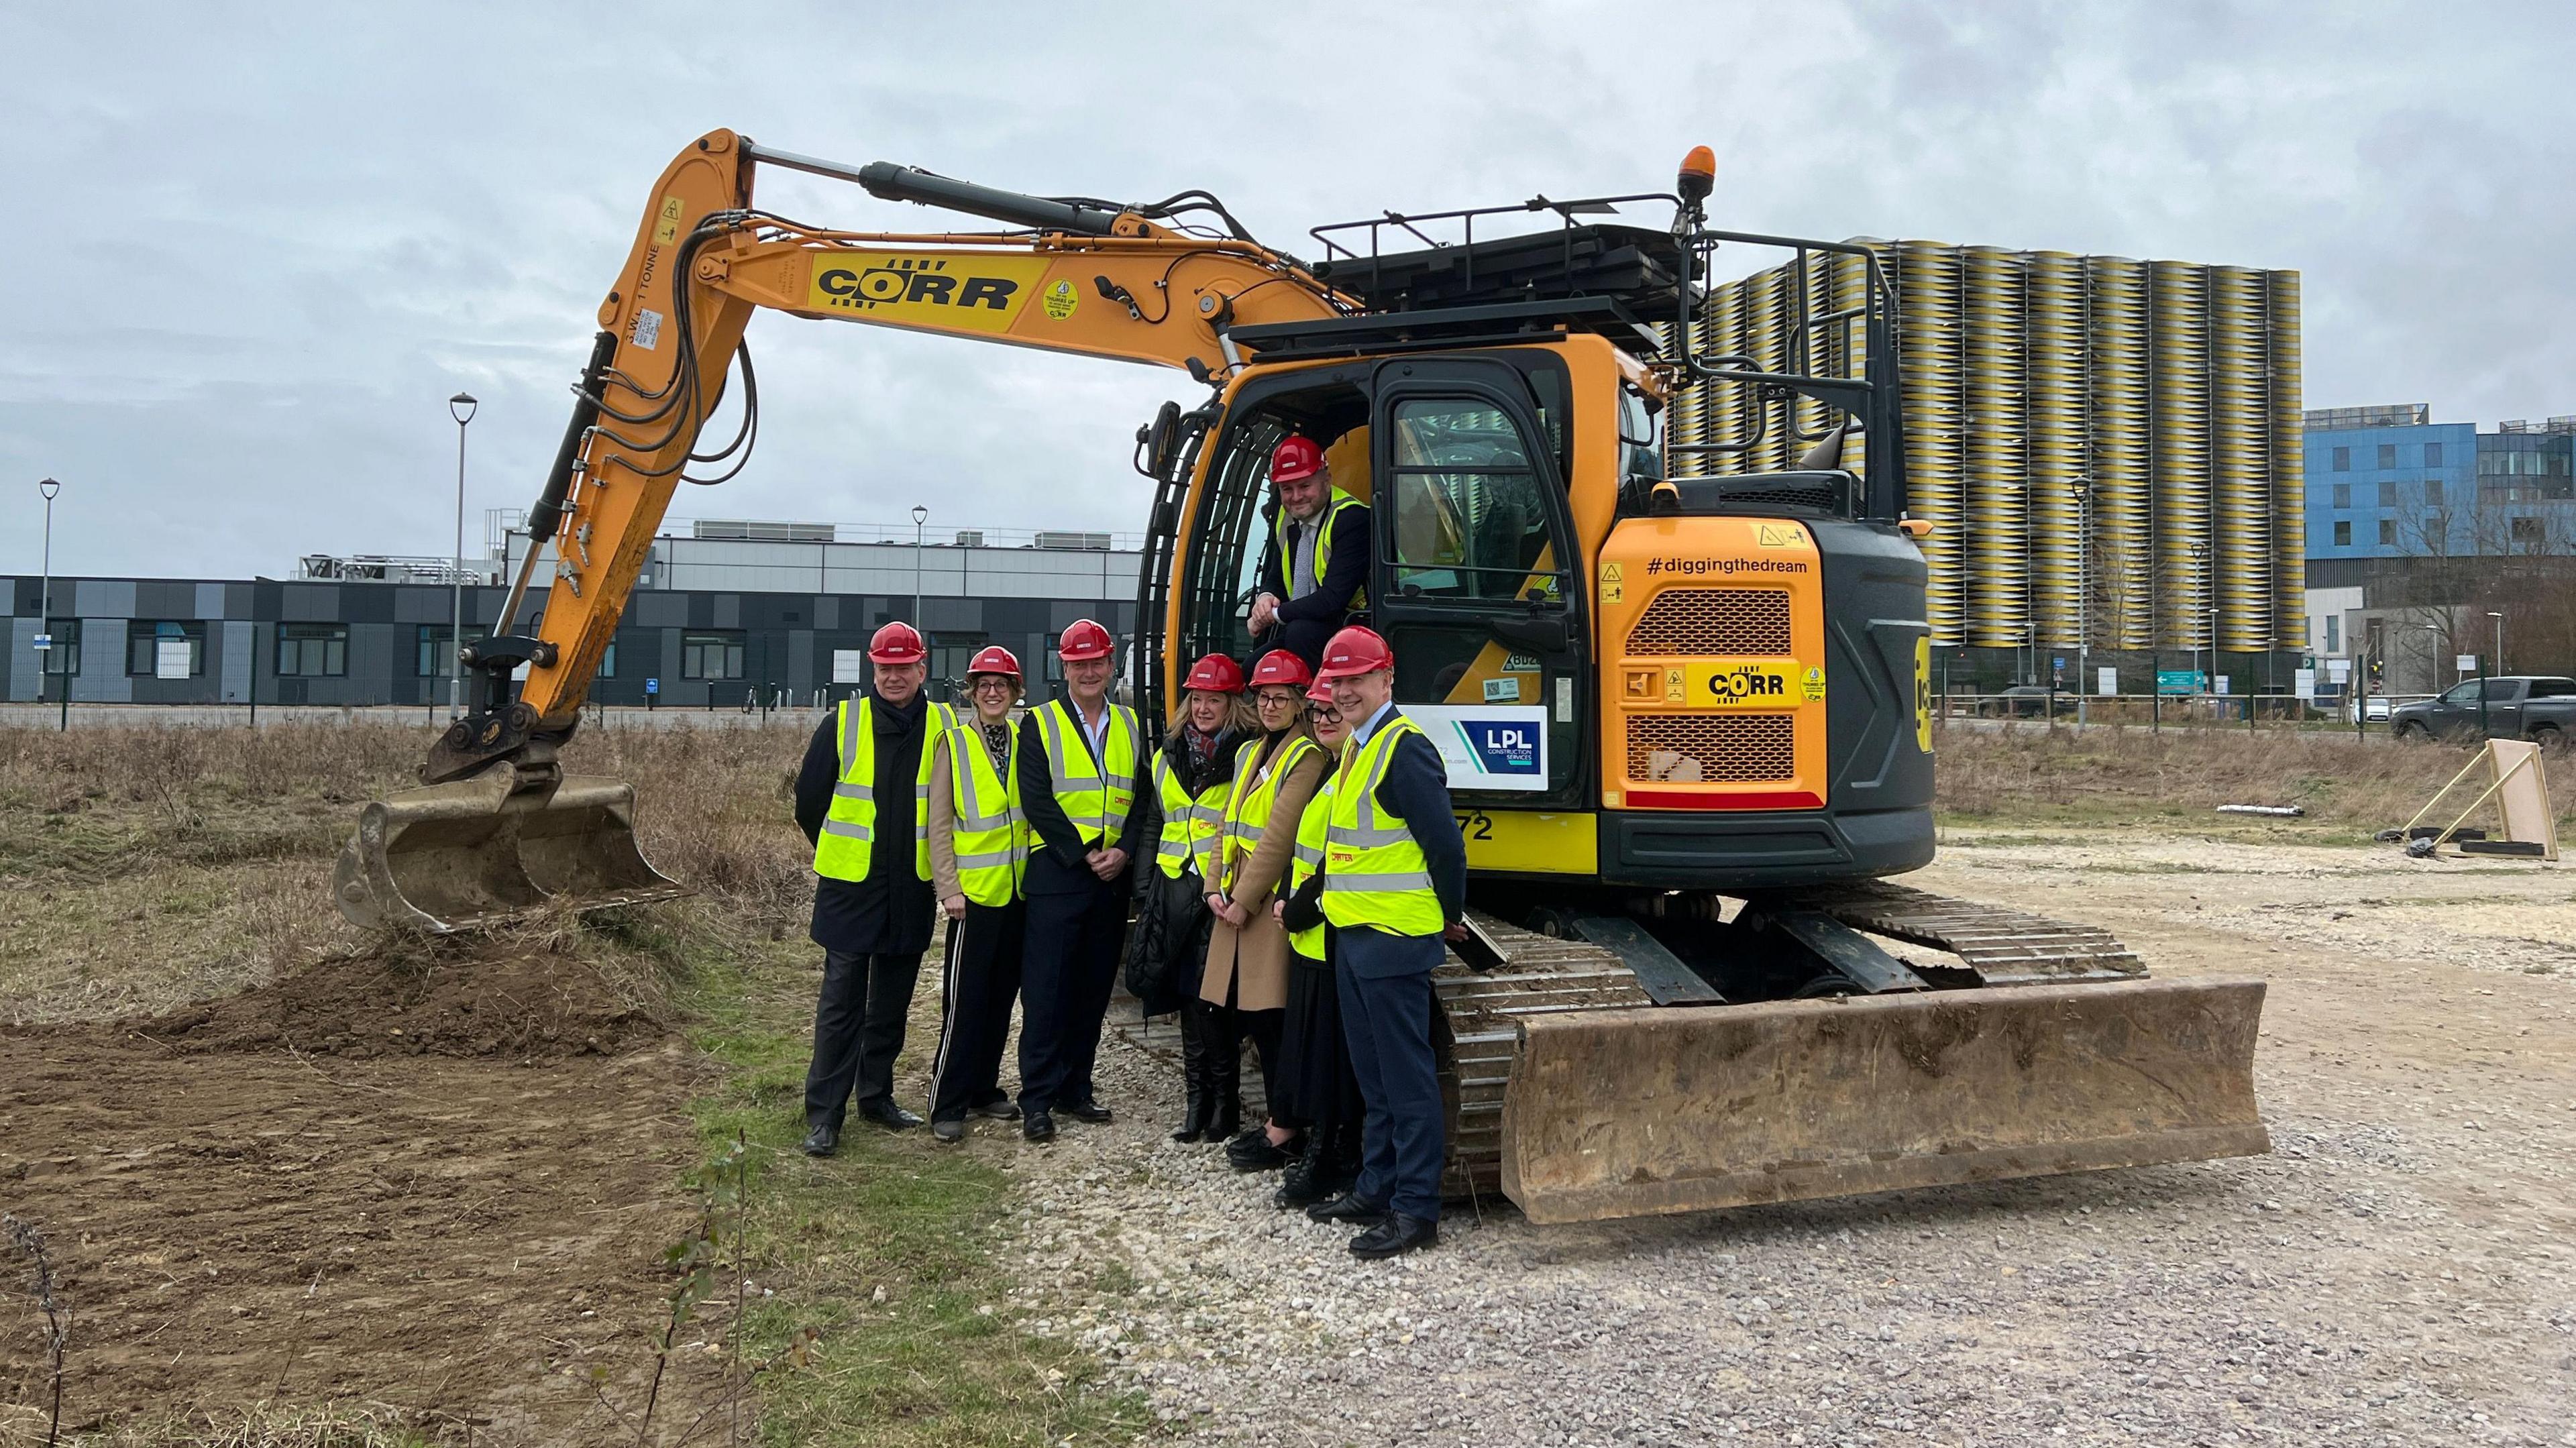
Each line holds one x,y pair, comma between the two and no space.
1310,858
849,831
1093,794
992,836
1248,803
1374,872
1191,825
1333,507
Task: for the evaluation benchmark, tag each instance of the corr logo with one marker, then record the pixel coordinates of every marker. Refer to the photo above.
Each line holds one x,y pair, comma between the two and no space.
978,293
1748,682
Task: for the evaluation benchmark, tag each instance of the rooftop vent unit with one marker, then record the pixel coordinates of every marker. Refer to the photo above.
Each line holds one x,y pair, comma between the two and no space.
970,538
740,530
1075,542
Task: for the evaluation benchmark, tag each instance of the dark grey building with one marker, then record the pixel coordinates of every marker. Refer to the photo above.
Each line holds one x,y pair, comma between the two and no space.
714,621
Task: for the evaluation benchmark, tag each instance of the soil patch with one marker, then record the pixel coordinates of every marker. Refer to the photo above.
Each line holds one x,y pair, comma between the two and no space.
522,1005
277,1197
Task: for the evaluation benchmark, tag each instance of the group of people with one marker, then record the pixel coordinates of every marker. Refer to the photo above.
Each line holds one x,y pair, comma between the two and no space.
1288,850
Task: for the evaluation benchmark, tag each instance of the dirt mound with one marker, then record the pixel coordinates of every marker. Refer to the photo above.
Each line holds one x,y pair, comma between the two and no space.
522,1005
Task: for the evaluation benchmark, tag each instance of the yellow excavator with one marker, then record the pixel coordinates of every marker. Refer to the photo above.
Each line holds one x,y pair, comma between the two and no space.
1686,717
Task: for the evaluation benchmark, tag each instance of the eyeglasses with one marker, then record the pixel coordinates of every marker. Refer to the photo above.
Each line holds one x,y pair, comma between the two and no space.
1325,714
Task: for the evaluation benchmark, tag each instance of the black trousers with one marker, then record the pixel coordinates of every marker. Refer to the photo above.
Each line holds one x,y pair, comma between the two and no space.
976,993
1068,964
858,1031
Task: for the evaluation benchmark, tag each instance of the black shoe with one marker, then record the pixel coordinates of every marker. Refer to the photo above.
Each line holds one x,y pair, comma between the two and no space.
1038,1126
1091,1111
1394,1237
1002,1110
1195,1120
1253,1151
885,1113
1346,1208
1302,1184
1225,1120
948,1133
821,1141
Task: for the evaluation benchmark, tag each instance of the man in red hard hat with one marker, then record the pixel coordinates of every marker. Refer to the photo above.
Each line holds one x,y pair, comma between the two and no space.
1314,572
1395,884
1081,758
979,848
855,800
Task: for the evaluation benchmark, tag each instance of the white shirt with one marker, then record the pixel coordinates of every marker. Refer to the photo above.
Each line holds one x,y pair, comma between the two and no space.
1097,734
1360,736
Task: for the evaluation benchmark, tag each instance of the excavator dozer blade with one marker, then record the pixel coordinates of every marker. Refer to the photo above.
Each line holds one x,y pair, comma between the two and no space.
1624,1113
479,851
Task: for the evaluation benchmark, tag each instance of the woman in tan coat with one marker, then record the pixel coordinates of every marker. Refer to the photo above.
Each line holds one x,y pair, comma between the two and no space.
1247,961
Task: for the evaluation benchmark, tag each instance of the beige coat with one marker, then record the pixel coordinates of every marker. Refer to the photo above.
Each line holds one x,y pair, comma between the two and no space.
943,813
1259,951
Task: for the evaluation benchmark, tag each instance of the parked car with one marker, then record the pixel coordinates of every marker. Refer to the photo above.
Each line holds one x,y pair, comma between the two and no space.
2372,708
2524,706
2027,701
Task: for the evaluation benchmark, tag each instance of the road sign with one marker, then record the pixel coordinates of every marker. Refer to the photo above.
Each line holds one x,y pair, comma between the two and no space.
2303,682
2221,683
2109,682
2177,681
44,641
2058,663
2466,663
652,686
2339,670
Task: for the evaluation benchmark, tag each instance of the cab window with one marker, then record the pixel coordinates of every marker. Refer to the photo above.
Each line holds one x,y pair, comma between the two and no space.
1470,519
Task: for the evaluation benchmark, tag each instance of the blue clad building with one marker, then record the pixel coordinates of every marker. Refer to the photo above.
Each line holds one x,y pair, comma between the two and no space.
2389,483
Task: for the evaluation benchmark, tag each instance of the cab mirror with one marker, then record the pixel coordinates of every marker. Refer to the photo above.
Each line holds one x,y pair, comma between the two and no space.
1158,443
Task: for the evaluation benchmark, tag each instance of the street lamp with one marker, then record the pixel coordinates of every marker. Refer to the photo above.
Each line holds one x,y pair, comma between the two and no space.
920,515
461,407
2498,666
45,605
2493,668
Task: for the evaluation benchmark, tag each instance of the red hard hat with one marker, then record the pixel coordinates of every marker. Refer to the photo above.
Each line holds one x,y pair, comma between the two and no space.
1320,692
1215,674
993,659
1281,667
1295,457
897,643
1355,651
1082,639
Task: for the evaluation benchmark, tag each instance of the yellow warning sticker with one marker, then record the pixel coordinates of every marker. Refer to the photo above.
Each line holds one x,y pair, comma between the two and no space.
1061,299
1779,535
1923,693
1613,583
666,226
951,291
1812,687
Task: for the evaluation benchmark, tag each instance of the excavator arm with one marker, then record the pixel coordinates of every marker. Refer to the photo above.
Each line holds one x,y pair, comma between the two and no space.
498,829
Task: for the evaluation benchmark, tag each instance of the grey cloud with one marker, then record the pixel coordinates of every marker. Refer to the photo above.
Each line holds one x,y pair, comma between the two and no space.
257,247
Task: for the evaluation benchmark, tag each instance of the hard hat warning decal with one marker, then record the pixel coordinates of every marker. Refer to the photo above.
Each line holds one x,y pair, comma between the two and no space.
1061,299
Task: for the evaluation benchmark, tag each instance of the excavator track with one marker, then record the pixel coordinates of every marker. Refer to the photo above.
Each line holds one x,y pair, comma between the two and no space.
2002,946
1546,976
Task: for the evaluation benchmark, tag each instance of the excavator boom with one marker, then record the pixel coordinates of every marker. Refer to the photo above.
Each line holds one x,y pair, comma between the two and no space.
1084,278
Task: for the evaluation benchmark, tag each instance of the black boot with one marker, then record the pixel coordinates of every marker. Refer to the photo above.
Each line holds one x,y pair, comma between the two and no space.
1194,1068
1225,1072
1302,1184
1341,1162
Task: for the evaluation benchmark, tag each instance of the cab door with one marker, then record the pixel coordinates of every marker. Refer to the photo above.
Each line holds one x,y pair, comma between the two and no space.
1473,587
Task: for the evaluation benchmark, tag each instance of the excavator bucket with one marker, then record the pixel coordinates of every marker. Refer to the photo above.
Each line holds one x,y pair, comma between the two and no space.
1621,1113
479,851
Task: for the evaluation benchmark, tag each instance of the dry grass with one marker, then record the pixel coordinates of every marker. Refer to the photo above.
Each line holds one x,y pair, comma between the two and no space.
2034,774
260,1425
141,868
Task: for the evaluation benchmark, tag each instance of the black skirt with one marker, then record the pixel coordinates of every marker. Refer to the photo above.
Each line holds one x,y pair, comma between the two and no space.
1316,1085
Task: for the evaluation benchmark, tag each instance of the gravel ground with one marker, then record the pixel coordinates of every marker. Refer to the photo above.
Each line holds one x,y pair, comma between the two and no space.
2402,1270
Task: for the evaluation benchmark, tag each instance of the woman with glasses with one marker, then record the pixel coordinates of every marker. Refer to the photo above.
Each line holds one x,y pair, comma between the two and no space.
1246,978
1318,1095
978,845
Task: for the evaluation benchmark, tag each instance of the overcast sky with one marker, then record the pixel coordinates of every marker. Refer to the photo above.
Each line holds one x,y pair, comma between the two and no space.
254,248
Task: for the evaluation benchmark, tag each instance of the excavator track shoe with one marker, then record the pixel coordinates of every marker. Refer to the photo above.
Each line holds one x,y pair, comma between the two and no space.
1621,1113
480,851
